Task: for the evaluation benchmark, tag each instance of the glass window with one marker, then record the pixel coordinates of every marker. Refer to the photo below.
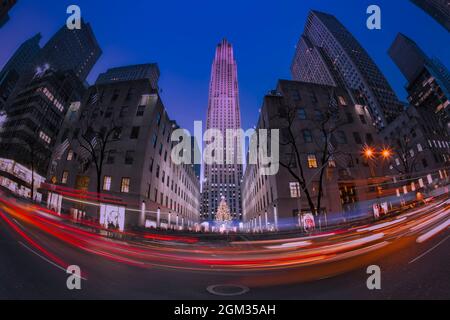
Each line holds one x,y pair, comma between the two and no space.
301,113
140,111
107,183
70,155
295,189
125,185
307,136
65,177
129,157
135,133
312,161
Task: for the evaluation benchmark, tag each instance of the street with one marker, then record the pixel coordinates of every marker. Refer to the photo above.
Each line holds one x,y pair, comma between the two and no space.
408,271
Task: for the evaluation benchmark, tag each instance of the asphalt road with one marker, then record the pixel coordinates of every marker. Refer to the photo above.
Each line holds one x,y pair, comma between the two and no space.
420,271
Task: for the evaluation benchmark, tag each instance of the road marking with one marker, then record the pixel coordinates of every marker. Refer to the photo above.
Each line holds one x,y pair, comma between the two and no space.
429,250
45,259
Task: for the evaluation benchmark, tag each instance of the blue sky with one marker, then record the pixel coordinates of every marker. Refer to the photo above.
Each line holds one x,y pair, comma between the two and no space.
181,37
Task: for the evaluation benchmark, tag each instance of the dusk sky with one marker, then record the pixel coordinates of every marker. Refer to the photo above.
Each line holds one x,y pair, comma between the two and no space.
181,37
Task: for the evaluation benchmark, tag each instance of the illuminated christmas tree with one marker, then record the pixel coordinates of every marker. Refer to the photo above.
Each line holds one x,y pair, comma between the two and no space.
223,215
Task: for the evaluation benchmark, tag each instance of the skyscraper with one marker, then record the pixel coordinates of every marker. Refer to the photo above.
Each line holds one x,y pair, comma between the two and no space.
327,45
428,79
19,63
223,180
438,9
5,6
76,50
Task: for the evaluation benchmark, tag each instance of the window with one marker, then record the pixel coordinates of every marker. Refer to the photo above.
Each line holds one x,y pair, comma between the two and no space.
152,162
123,112
125,185
158,119
419,147
107,183
140,111
65,177
349,117
312,161
369,139
342,101
341,137
295,189
108,113
117,134
307,136
70,155
363,119
115,95
134,133
160,149
129,157
357,138
45,137
154,140
157,171
318,115
111,157
301,113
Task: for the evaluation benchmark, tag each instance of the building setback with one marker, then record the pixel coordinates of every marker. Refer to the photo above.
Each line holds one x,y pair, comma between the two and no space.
271,202
138,171
327,53
223,180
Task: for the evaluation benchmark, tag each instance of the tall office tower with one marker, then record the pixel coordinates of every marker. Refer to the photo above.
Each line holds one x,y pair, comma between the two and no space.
438,9
148,71
19,63
5,6
28,135
428,79
327,45
223,180
76,50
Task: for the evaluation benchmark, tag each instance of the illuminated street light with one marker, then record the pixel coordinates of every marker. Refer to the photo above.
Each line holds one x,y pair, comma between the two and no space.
386,153
369,152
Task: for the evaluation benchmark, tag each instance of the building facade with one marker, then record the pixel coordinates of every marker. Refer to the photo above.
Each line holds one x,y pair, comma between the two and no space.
20,62
428,84
327,53
439,10
128,73
348,180
138,179
419,144
223,179
28,134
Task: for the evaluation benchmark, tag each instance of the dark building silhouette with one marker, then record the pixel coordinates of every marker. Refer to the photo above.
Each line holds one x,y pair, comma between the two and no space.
438,9
5,6
19,63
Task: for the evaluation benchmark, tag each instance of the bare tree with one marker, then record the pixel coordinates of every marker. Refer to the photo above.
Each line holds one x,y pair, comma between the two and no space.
322,130
94,143
406,157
